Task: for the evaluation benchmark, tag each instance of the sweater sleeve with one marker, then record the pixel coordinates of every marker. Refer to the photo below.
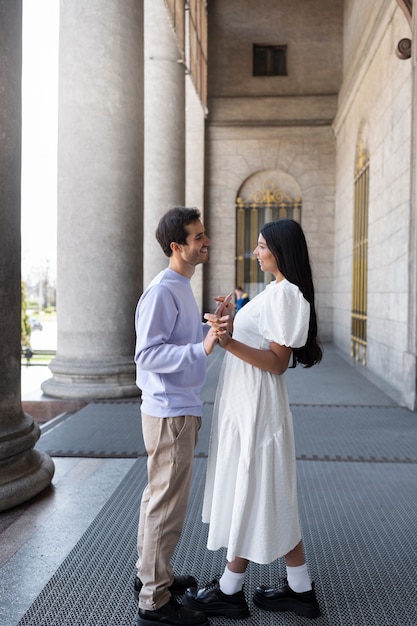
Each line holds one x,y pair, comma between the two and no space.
156,320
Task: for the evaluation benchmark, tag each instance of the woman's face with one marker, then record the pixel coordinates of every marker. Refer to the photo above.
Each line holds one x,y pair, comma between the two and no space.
265,257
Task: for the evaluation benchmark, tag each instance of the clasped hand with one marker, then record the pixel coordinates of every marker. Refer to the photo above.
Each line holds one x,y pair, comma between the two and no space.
220,323
219,327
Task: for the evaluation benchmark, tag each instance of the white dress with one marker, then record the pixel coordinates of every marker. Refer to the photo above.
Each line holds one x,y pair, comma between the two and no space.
250,498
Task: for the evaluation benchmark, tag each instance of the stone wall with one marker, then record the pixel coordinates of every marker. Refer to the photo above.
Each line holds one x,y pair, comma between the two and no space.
375,108
277,124
312,32
308,156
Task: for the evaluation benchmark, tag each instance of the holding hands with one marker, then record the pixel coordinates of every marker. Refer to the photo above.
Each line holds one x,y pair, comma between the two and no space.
220,322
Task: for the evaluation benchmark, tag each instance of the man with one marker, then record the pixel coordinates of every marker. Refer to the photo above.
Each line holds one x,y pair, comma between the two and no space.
172,345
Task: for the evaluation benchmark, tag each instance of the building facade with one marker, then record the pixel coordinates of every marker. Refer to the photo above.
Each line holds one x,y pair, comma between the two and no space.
250,111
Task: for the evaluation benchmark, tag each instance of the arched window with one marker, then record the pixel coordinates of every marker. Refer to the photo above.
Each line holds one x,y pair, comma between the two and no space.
255,207
358,340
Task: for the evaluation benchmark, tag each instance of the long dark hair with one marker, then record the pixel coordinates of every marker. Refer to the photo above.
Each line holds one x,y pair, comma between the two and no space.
286,240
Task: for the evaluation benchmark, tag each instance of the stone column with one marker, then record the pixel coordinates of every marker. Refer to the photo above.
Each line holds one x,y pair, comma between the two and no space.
194,151
100,189
164,170
24,471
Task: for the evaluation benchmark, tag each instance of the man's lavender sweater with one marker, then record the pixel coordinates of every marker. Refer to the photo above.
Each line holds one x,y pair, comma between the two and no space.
170,357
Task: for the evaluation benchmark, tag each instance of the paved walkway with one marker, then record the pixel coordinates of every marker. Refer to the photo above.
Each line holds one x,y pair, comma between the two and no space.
357,465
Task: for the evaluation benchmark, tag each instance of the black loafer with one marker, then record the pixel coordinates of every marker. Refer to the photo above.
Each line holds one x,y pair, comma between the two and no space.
285,599
212,601
178,587
171,614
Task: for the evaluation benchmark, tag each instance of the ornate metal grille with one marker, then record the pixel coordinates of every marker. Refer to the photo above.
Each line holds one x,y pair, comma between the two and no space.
358,341
264,205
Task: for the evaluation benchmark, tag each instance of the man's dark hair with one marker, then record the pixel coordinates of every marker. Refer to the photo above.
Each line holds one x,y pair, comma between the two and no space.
171,227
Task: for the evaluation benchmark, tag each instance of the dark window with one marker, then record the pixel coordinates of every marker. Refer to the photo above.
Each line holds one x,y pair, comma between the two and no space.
269,60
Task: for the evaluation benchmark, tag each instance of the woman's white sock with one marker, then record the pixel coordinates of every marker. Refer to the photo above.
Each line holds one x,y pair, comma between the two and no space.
231,582
298,578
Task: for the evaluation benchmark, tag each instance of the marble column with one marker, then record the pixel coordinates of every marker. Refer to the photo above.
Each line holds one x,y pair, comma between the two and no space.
24,471
100,198
194,159
164,164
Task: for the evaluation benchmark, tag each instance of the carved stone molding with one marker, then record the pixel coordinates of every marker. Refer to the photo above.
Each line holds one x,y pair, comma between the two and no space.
403,50
407,8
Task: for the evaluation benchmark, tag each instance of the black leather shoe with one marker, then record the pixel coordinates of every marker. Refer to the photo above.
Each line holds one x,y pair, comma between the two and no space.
178,587
212,601
285,599
171,614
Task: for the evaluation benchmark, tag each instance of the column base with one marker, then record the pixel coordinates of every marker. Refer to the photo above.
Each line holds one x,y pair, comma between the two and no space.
23,477
91,380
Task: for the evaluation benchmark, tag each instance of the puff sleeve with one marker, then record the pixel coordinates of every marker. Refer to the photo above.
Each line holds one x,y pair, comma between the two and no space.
285,315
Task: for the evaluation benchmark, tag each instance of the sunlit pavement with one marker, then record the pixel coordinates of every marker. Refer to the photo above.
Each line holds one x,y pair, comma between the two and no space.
33,376
46,338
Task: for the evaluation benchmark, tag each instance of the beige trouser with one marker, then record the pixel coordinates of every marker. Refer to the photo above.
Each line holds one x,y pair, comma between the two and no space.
170,444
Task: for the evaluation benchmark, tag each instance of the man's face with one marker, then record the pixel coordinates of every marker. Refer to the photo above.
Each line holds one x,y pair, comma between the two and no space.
195,251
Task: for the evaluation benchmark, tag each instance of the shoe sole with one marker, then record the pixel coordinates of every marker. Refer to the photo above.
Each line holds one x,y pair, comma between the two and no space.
173,592
139,621
287,605
213,611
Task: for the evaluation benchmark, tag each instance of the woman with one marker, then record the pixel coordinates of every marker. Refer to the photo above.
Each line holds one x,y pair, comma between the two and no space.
250,496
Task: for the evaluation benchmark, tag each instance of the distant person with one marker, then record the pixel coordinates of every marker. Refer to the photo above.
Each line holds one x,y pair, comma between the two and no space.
28,355
242,298
172,345
250,498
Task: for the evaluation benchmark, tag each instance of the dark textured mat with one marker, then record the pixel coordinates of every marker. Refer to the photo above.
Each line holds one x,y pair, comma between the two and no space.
336,381
99,430
107,430
387,434
338,414
113,430
377,434
359,525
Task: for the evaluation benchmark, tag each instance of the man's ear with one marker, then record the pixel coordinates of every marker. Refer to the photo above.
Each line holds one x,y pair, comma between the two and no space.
175,246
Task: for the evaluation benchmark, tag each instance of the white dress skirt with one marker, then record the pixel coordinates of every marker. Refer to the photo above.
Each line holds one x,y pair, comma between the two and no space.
250,498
